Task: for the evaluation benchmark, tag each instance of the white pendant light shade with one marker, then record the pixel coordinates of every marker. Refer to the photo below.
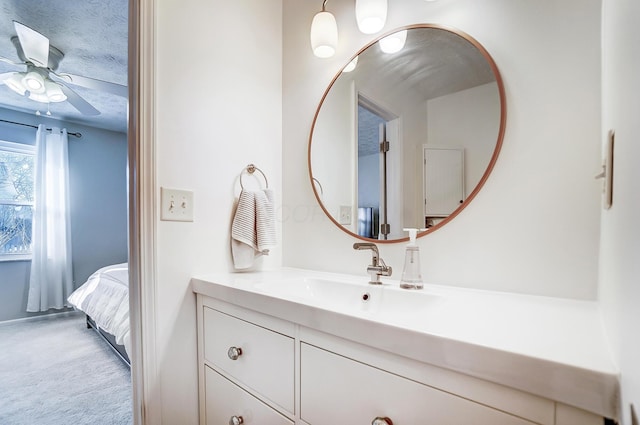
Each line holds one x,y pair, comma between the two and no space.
371,15
14,82
393,43
351,65
324,35
33,82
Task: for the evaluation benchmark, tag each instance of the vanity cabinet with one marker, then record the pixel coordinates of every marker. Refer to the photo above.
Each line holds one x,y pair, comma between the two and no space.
338,390
226,403
257,358
255,368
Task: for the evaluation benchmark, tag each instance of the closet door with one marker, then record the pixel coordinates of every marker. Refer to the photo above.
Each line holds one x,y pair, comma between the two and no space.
443,180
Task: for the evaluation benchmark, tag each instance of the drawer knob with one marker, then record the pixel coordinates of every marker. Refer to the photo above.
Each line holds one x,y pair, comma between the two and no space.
382,421
234,353
236,420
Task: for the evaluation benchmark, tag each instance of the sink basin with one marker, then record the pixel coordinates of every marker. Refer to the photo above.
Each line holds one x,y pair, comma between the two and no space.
351,296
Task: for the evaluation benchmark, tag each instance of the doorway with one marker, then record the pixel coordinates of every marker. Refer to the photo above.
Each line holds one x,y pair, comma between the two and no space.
142,200
379,173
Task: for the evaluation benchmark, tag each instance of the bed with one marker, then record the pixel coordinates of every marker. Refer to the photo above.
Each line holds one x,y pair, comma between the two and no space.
104,298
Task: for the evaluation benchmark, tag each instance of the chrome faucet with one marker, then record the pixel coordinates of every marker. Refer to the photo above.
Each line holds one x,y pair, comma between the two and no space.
378,267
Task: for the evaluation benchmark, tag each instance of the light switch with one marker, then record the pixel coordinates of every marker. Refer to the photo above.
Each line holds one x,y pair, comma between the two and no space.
345,214
177,205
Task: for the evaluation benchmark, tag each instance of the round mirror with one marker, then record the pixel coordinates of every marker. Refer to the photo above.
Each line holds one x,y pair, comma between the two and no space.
407,133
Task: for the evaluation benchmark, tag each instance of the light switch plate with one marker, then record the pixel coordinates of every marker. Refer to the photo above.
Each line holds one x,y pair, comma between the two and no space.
345,214
177,205
608,171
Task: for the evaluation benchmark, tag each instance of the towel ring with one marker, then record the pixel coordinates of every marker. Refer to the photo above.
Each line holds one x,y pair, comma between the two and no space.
317,182
251,168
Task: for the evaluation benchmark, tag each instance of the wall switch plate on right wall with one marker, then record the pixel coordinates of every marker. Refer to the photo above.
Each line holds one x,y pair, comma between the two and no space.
607,172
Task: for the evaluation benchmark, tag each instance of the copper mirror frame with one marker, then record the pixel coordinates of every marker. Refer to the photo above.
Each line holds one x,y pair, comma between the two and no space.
490,166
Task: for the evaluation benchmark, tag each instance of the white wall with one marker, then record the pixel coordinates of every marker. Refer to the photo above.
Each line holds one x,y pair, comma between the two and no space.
218,108
469,119
534,228
333,149
619,291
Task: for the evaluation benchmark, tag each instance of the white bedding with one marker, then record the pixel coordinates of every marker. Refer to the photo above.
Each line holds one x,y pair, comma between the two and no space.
105,297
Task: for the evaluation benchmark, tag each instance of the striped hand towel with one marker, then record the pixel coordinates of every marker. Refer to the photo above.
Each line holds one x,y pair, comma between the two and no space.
253,231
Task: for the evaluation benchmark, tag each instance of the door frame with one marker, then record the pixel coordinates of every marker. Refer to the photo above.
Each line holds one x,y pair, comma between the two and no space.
142,213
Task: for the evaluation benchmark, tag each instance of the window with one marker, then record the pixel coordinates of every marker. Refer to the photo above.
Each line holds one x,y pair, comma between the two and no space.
16,199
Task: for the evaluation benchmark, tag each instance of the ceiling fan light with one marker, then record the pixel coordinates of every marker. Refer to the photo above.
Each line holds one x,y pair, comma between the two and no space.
54,92
393,43
371,15
324,35
14,82
34,82
39,97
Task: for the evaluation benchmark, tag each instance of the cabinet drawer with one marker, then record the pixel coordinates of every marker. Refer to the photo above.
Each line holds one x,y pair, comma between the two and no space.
224,400
266,364
338,390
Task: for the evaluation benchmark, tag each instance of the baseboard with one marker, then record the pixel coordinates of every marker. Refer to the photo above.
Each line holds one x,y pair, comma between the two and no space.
47,316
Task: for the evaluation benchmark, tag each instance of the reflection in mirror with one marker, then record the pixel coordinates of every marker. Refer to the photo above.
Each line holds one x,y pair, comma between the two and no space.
406,139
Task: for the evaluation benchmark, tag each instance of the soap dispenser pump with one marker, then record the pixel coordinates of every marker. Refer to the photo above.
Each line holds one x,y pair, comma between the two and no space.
411,275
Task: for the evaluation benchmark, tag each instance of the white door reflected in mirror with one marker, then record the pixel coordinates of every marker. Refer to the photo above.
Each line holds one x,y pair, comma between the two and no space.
443,182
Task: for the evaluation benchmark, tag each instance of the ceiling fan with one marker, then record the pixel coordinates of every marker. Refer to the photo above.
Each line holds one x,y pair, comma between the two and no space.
40,82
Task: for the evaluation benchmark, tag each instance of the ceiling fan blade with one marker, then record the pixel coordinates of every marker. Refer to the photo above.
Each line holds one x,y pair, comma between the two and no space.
34,45
92,83
5,75
78,102
9,61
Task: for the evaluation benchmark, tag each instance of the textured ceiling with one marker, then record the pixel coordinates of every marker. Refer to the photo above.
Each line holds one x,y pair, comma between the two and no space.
93,36
433,63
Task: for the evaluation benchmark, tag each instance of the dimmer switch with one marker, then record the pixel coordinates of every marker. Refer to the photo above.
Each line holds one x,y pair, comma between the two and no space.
177,205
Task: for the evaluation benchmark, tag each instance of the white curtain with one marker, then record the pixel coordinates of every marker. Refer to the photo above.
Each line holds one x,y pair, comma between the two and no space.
51,280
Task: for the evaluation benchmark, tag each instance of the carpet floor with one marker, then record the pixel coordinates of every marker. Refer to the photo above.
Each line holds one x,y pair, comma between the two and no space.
55,371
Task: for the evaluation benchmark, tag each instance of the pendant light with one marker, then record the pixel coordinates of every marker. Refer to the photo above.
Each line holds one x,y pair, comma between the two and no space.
393,43
371,15
324,33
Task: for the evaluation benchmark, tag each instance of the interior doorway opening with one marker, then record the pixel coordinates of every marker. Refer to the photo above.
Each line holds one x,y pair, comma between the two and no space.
378,171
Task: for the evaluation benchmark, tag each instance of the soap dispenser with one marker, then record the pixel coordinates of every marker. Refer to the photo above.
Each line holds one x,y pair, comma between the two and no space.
411,275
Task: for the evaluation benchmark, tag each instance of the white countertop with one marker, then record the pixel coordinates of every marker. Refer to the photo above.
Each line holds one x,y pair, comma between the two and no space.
555,348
